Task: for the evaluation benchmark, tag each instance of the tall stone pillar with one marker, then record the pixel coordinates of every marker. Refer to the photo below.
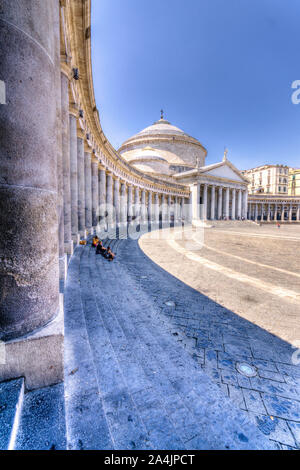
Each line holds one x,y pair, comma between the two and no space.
102,192
156,207
256,212
95,191
81,184
137,202
245,205
28,167
164,210
117,199
143,206
291,213
169,199
282,213
204,202
227,194
109,198
239,204
88,188
66,162
74,178
123,204
269,213
129,203
150,214
220,202
233,204
212,202
298,213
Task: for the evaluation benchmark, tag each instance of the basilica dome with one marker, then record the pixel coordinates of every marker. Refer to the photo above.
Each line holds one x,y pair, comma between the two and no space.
163,149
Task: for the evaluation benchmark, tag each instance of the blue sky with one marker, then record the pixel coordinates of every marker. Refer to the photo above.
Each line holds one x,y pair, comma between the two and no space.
221,69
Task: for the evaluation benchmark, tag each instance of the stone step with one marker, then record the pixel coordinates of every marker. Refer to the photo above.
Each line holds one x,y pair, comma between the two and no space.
180,367
161,432
126,427
86,423
11,402
42,423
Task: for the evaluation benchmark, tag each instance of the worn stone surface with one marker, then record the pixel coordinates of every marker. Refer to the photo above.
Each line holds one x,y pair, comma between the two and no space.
124,366
37,357
28,167
224,321
11,400
42,424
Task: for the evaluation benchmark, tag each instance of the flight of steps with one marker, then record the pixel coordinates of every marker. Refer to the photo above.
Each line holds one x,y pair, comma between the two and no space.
129,384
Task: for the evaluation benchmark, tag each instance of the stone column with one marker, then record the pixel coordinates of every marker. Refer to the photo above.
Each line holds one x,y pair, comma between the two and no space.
150,215
143,206
88,188
117,199
269,213
137,202
239,203
66,163
81,184
227,194
256,212
129,203
220,200
95,191
74,178
102,192
212,202
291,213
298,213
233,206
245,205
282,213
275,212
204,203
123,204
28,167
156,207
164,210
109,198
169,209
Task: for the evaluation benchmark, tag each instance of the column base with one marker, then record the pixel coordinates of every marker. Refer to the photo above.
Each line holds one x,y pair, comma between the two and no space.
83,234
38,357
63,267
69,248
76,239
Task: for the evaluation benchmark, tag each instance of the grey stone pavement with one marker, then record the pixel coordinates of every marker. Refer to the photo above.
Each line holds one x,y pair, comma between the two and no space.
134,376
218,337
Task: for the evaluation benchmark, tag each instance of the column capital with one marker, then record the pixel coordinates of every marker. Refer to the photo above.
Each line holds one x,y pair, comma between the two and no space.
87,148
101,166
80,134
73,110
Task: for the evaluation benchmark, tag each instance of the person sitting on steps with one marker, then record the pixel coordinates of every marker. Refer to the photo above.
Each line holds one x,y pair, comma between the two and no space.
109,254
95,241
100,250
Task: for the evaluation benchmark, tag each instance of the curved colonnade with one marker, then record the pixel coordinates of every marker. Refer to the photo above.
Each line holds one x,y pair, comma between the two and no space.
60,176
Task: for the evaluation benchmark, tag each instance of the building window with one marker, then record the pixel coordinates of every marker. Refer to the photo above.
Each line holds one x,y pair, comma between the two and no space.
279,188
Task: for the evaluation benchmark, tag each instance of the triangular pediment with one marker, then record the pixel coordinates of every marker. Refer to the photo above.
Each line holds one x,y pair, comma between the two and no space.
223,170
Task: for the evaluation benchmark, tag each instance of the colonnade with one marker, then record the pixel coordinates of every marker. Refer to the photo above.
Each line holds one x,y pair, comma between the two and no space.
274,211
216,202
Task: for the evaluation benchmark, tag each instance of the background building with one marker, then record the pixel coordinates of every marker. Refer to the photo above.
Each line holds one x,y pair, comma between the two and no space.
294,182
268,179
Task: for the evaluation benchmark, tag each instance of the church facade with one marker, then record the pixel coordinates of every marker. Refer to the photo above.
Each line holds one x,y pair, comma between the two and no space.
218,191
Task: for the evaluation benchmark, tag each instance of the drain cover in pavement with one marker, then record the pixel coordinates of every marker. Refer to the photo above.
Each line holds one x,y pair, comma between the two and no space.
246,369
170,303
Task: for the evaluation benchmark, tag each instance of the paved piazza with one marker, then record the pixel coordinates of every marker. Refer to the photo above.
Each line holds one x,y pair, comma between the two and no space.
248,310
